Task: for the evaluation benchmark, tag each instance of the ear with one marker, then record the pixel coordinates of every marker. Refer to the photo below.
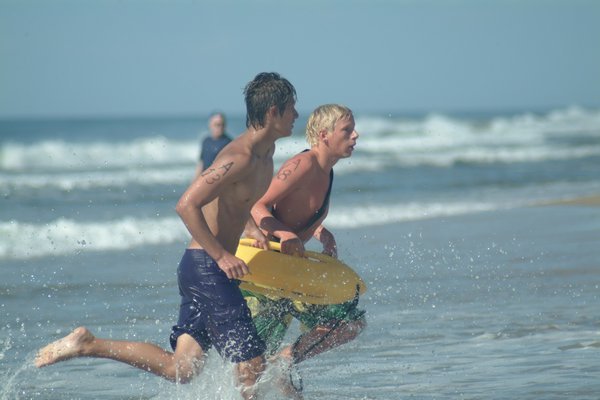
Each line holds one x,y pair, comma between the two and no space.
323,135
270,114
273,111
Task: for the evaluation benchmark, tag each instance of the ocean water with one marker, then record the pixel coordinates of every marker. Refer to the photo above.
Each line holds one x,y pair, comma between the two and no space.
480,284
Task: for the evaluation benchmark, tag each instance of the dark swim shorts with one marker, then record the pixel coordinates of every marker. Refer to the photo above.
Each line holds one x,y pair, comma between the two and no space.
213,310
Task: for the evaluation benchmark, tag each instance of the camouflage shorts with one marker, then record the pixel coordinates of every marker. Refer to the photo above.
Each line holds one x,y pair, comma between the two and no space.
272,316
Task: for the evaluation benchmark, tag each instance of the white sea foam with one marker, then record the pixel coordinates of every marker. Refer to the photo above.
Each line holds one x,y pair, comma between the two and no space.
374,157
524,127
70,180
487,155
20,240
385,144
433,140
346,217
61,155
442,141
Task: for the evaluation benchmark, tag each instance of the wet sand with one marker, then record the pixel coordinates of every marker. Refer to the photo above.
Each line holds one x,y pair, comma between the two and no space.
579,201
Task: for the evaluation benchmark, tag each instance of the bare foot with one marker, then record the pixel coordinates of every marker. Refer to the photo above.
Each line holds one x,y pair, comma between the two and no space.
284,357
68,347
288,388
289,381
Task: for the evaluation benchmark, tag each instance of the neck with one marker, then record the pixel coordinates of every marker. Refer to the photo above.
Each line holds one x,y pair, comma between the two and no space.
326,161
259,141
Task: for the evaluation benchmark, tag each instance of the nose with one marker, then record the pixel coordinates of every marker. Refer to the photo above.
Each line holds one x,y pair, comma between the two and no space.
355,135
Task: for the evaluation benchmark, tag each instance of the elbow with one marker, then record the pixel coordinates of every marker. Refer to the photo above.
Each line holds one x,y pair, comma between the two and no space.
181,207
257,214
260,212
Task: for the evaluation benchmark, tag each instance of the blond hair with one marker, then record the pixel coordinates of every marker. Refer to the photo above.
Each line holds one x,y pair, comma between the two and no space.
324,117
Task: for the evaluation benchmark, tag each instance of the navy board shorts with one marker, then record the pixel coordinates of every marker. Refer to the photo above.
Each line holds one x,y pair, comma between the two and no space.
213,310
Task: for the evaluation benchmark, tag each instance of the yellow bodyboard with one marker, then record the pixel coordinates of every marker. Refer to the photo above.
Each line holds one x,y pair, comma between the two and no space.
315,278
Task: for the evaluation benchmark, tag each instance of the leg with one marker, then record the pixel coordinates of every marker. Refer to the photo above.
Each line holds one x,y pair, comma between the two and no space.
271,318
329,326
321,339
316,341
180,366
287,379
247,374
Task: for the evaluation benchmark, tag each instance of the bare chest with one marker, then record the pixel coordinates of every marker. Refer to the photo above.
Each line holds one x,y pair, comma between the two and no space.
302,204
253,186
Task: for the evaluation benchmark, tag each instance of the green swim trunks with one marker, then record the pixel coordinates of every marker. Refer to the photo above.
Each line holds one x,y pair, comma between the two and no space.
273,315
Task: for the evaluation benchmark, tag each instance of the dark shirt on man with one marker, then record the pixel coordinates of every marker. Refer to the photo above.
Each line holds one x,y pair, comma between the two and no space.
210,148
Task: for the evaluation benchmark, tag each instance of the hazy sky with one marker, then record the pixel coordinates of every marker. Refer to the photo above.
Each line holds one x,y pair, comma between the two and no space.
158,57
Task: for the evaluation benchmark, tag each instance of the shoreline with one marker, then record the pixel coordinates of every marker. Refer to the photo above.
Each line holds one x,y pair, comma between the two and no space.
593,200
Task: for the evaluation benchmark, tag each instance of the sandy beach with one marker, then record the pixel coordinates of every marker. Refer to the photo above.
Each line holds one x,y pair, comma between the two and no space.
580,201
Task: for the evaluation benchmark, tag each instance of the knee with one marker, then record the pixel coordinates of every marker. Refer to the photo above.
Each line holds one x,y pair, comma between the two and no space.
353,328
183,371
249,371
184,378
359,325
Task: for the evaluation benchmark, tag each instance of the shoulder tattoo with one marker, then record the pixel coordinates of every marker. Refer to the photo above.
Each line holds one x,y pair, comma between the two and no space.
212,175
288,169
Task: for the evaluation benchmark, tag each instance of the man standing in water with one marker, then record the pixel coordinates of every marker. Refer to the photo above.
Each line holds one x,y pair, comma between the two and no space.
292,212
215,209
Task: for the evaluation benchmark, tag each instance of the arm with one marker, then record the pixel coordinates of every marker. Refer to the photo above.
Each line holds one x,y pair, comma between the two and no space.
207,187
252,231
327,239
200,163
199,167
289,178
